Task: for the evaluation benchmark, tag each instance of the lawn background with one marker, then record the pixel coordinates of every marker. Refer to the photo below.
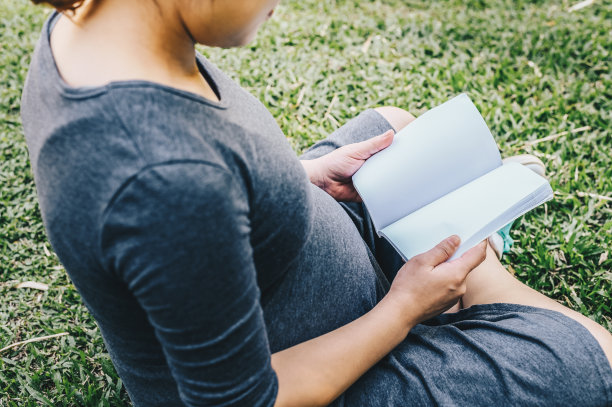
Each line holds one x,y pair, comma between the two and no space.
539,74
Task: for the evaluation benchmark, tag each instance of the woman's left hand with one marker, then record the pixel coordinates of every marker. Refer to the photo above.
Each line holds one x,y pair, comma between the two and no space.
332,172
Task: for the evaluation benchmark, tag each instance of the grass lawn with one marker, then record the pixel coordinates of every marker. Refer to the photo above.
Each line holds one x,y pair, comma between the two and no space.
539,74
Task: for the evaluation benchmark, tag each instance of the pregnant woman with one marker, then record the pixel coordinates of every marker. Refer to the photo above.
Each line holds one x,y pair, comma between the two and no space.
223,271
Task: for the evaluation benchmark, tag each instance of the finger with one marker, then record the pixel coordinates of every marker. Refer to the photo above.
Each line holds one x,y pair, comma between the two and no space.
368,148
441,252
472,258
349,195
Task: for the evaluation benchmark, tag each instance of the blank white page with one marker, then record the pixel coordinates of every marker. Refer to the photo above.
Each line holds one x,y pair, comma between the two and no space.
473,211
443,149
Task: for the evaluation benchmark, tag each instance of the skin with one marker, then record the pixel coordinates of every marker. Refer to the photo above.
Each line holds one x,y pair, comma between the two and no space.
118,40
113,40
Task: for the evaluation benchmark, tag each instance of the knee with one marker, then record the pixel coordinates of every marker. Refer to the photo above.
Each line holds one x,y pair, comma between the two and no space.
398,118
602,336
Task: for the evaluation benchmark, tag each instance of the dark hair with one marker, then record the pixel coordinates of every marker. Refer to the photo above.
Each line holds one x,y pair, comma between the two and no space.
61,5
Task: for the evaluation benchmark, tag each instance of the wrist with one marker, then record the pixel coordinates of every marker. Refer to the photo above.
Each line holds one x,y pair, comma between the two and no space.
401,310
313,171
399,313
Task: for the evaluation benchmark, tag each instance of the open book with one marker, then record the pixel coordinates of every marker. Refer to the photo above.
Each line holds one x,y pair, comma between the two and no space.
443,175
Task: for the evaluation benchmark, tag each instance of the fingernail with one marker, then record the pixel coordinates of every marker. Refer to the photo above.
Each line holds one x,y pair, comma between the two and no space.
454,240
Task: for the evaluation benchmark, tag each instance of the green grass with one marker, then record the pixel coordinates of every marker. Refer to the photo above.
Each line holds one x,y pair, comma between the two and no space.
533,69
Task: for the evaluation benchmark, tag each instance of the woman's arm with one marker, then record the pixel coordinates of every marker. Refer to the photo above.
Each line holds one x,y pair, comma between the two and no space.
178,236
316,372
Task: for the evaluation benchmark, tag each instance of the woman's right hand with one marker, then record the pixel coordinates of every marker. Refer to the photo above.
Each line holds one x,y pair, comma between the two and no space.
316,372
427,285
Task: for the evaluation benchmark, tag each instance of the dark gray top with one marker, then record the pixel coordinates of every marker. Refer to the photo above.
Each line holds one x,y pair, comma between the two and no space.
170,213
179,220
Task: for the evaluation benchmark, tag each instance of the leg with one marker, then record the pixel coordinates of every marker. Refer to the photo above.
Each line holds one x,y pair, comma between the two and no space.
333,281
490,355
397,118
491,283
494,353
369,123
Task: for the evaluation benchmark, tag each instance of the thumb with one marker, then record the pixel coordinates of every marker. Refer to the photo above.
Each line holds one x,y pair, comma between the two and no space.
472,258
441,252
368,148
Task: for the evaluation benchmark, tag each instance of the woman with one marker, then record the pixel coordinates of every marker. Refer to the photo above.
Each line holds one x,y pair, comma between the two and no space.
219,275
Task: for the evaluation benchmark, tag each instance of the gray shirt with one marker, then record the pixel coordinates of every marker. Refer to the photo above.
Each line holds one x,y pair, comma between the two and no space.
171,214
179,220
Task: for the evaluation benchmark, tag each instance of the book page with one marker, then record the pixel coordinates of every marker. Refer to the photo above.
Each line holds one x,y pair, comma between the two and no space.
443,149
473,211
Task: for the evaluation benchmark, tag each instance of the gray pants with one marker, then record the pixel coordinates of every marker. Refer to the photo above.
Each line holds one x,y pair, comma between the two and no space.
489,355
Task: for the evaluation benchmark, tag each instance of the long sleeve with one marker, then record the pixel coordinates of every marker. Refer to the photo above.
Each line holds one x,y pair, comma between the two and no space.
177,235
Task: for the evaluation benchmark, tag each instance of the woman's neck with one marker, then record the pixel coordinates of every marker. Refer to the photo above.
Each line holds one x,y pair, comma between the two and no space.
117,40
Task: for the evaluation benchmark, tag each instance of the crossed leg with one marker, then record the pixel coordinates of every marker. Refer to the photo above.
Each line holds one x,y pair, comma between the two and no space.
491,283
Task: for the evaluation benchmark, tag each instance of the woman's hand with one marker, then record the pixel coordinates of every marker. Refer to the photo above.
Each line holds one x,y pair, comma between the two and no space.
428,285
332,172
317,371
